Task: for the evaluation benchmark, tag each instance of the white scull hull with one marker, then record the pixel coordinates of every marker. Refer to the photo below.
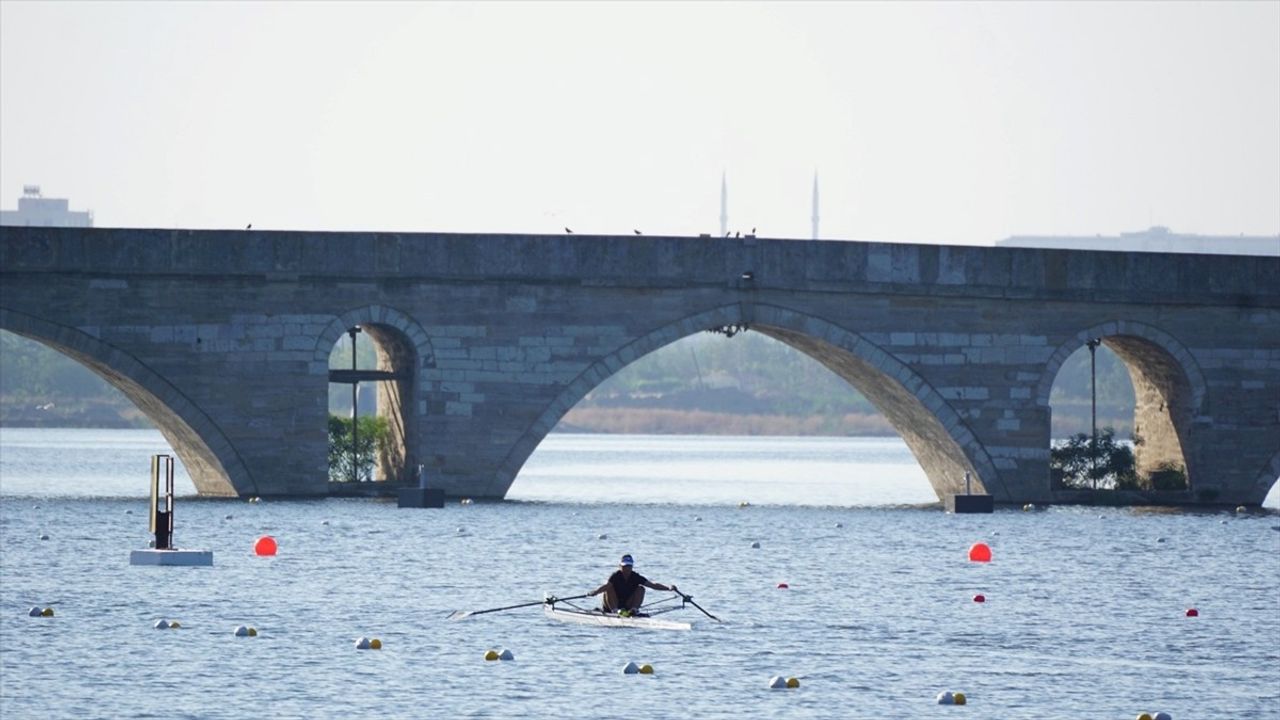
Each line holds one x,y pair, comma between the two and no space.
596,617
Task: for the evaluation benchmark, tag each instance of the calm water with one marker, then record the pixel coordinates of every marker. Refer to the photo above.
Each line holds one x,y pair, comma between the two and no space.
1084,619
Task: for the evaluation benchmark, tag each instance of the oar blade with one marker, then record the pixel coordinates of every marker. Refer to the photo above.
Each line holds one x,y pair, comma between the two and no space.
457,615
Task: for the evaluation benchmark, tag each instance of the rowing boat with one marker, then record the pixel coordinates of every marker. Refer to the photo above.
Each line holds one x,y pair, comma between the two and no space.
599,617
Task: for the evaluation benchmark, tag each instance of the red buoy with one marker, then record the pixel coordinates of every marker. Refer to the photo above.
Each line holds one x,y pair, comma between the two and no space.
265,545
979,598
979,552
1192,612
783,586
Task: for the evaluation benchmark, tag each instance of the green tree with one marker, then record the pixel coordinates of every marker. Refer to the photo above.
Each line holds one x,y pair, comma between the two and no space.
1075,463
372,440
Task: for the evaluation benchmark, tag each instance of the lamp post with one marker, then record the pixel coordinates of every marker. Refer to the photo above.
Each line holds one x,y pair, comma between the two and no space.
1093,344
355,411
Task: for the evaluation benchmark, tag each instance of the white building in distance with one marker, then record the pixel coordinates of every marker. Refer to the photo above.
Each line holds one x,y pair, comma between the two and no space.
1156,239
39,211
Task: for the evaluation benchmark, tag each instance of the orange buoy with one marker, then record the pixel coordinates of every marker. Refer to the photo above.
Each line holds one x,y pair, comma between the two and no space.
265,545
1192,612
979,598
980,552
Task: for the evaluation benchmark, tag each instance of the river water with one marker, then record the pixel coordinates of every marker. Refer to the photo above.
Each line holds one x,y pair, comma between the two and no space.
1084,618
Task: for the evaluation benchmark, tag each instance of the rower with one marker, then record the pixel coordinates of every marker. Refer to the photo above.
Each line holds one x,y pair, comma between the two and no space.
624,590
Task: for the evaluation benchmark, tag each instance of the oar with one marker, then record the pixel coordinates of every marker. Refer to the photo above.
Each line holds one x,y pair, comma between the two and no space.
464,614
689,599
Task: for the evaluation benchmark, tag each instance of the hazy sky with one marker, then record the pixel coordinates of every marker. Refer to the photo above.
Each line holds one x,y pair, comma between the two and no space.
953,122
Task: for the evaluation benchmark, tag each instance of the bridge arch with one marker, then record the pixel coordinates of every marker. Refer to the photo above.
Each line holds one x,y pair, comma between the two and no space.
211,460
403,349
1268,476
1169,389
938,437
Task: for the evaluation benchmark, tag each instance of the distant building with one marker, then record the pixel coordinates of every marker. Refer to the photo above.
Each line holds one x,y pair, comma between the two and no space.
1154,239
37,210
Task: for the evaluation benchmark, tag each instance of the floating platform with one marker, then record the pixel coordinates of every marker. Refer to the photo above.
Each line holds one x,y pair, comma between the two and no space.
179,558
421,498
963,504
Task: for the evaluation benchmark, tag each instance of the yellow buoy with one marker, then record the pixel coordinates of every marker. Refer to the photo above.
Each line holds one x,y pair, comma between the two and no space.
375,644
491,655
793,682
174,624
646,669
958,698
47,612
253,632
1144,716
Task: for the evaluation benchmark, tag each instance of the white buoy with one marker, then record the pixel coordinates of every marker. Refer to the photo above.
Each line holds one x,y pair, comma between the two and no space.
630,669
44,537
839,525
755,546
244,631
34,612
946,698
697,518
362,643
506,655
161,625
324,522
1162,716
602,536
1159,539
777,682
227,517
461,530
128,512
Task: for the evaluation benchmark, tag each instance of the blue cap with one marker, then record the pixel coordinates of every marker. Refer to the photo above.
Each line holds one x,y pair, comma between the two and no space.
626,560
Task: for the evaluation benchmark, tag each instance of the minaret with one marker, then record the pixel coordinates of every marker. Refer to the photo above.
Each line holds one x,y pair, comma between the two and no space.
815,204
724,206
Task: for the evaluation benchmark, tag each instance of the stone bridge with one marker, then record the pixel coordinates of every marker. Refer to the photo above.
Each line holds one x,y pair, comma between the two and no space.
223,339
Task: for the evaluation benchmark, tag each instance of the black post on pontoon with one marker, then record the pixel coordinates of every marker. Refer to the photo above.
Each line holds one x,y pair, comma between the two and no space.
162,503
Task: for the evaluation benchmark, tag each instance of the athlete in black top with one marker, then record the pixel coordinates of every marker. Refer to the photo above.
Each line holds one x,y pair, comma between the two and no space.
624,590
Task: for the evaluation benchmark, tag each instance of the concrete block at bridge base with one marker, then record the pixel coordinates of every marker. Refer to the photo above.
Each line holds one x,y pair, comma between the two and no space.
179,558
965,504
421,498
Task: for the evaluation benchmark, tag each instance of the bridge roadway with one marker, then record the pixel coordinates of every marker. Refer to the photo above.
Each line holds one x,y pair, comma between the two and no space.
223,339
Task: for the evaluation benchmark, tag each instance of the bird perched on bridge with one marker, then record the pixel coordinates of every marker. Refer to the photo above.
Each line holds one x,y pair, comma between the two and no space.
737,234
568,231
637,232
249,226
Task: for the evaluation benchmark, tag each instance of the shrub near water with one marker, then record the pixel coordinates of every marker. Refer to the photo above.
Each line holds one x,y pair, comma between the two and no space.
372,439
1075,464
